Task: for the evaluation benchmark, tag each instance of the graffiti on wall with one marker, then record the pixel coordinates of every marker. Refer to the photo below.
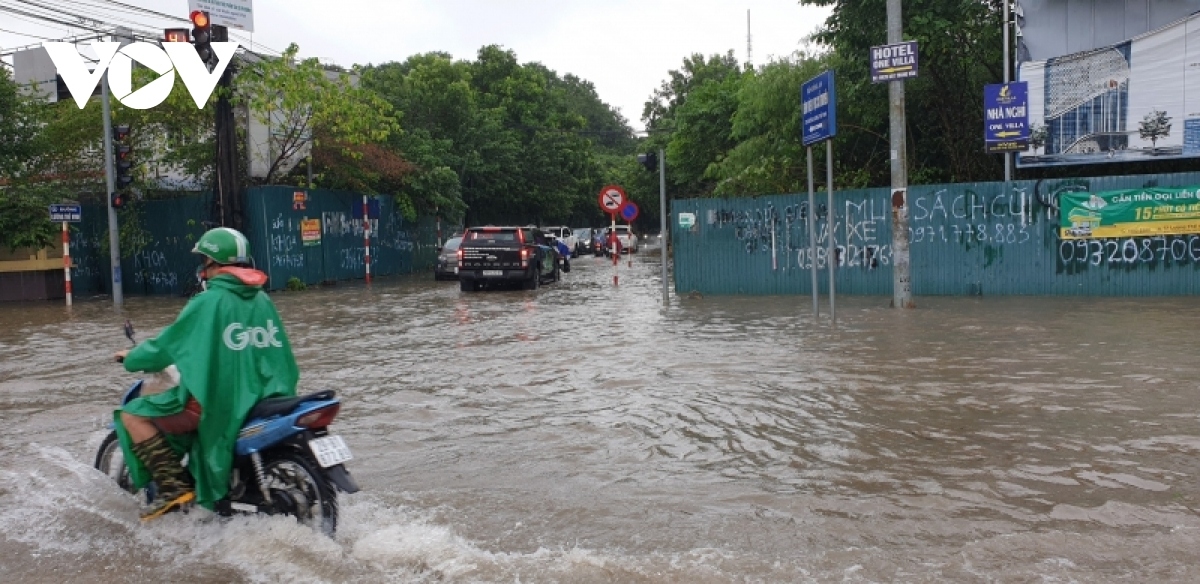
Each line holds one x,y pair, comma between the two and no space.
861,228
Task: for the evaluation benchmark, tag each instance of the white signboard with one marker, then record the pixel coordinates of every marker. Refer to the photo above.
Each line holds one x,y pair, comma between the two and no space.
237,14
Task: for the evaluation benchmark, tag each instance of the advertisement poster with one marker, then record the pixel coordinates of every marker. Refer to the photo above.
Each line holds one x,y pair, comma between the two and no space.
1138,100
310,231
1132,213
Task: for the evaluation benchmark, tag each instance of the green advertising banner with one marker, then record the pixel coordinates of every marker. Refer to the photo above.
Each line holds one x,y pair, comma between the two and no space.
1132,213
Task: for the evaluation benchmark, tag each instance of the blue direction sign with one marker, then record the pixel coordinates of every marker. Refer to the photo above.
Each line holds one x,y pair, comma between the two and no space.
66,213
819,104
1006,117
893,62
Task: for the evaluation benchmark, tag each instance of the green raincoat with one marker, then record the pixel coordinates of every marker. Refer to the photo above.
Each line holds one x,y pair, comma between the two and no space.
231,351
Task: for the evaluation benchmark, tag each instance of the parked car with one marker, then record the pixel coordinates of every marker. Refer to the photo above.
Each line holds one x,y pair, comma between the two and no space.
446,267
583,240
565,234
628,239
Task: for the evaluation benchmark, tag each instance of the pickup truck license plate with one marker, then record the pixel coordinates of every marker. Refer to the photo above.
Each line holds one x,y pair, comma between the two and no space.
330,450
493,272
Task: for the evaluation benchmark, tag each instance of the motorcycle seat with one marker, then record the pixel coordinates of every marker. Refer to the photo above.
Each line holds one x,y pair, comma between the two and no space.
277,406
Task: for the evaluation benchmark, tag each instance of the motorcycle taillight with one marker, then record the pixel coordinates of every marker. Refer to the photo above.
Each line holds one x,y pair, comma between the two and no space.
319,418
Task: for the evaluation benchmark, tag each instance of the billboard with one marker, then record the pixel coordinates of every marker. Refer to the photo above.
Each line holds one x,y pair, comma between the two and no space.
1145,212
1136,100
1053,28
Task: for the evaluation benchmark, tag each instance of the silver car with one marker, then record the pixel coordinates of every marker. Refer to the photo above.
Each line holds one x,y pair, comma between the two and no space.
446,267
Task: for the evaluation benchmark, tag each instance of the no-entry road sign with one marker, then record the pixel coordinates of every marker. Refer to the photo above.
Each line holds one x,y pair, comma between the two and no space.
611,199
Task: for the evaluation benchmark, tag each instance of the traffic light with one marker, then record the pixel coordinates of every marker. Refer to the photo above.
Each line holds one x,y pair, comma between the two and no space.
202,35
122,156
117,200
649,160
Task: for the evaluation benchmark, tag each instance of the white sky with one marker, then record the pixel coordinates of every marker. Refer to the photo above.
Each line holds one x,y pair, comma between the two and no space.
624,47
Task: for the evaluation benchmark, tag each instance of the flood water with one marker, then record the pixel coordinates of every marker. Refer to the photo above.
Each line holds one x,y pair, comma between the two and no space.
580,433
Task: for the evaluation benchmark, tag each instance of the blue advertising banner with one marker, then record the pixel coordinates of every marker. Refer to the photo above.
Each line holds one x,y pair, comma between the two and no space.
1006,117
819,104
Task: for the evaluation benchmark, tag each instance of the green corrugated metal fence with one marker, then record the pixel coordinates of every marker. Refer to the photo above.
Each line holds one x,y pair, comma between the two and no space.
274,218
169,228
965,239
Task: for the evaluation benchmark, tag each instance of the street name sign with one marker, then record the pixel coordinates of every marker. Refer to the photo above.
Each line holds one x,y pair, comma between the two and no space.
66,213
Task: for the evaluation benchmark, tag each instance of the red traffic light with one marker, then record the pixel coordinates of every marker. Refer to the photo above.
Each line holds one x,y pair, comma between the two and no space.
200,19
176,35
120,132
117,200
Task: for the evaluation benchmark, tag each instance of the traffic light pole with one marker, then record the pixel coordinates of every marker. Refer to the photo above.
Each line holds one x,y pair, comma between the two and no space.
114,248
662,211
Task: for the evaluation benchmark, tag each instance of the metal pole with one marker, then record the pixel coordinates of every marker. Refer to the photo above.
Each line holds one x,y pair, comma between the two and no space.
812,237
612,235
1007,155
114,245
66,261
662,222
830,255
901,276
366,240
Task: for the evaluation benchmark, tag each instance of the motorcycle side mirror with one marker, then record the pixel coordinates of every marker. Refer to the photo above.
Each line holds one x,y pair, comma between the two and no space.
129,331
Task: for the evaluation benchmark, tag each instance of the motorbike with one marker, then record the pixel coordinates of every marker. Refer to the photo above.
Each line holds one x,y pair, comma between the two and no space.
286,462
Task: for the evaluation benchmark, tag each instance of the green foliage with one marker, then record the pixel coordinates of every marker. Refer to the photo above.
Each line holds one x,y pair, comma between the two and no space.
303,102
496,141
959,44
295,284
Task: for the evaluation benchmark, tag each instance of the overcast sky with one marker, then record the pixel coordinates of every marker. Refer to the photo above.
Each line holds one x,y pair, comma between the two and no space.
625,47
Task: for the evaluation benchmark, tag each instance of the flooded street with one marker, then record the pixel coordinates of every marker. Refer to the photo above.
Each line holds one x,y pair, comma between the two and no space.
580,433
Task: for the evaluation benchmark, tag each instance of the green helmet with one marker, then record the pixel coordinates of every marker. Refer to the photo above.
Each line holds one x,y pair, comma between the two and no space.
224,246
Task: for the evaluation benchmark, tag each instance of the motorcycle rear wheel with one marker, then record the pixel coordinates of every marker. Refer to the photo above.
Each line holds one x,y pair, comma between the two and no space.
299,489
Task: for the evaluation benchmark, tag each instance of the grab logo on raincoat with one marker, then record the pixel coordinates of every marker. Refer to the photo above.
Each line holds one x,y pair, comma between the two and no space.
237,337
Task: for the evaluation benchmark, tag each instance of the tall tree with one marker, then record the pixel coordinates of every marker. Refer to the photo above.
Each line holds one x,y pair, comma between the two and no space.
300,100
959,44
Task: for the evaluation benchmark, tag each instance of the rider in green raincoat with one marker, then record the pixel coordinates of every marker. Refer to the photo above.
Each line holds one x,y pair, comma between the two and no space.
231,351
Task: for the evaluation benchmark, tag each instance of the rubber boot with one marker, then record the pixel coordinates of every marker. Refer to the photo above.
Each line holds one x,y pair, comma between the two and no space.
172,480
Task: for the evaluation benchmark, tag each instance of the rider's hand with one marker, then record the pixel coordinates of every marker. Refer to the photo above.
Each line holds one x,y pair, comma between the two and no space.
120,355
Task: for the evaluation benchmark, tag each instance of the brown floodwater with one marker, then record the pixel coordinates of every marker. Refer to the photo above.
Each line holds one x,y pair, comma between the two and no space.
581,433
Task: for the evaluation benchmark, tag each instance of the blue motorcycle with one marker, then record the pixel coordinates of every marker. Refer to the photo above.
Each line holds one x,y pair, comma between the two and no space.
285,460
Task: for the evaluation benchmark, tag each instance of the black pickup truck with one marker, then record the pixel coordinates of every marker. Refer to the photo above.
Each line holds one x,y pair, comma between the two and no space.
490,255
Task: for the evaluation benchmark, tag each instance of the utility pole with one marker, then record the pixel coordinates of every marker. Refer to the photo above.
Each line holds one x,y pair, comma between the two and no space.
114,246
901,270
1007,78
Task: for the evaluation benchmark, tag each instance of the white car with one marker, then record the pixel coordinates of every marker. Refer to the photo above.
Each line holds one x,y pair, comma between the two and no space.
628,239
565,235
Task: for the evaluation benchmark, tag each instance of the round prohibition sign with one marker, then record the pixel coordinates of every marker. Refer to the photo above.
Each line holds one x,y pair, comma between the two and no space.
629,211
611,199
